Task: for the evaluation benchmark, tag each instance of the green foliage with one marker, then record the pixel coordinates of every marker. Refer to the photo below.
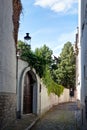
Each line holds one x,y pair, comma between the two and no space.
38,59
24,50
52,86
45,53
41,60
65,73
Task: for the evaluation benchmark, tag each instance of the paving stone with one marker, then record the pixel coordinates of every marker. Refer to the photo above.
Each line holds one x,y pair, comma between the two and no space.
62,117
23,123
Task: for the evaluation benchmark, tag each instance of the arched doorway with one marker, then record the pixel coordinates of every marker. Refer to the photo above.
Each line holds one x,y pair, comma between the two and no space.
28,94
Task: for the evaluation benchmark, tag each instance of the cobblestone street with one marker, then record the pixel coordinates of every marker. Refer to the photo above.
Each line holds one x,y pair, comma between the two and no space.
62,117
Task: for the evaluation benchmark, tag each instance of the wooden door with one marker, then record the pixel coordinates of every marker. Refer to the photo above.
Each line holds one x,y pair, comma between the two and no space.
28,92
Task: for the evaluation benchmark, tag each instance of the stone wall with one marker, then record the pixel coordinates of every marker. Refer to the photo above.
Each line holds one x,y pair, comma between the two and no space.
7,108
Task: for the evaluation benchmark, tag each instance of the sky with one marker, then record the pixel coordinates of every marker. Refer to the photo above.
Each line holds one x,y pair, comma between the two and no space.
50,22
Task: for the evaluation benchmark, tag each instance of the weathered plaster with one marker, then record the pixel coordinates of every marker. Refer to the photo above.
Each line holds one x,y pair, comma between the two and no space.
7,48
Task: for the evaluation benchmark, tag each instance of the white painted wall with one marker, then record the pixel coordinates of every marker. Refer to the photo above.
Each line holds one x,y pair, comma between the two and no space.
7,48
78,58
21,65
65,96
83,50
41,100
47,101
82,53
23,68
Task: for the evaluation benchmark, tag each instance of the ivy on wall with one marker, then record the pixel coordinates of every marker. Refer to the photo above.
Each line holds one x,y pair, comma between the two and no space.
52,86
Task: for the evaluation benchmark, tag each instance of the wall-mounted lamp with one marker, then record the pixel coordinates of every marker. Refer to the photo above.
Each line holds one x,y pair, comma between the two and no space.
27,37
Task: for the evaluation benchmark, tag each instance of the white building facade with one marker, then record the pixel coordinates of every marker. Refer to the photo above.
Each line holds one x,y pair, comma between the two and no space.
82,57
7,64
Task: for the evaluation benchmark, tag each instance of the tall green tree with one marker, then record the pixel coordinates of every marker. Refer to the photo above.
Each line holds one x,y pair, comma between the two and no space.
65,73
46,53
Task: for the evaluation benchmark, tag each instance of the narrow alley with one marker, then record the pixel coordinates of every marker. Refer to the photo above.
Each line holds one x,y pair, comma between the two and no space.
65,116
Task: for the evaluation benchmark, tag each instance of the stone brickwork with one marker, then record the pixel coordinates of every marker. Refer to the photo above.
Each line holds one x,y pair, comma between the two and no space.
7,108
